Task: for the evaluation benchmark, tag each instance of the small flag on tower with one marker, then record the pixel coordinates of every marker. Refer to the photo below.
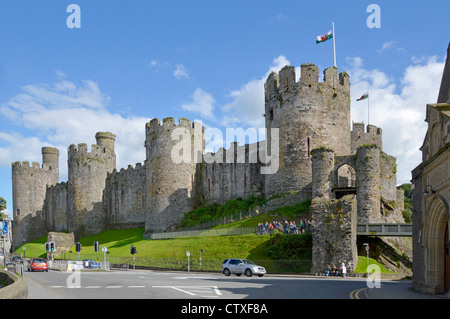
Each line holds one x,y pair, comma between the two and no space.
325,37
365,96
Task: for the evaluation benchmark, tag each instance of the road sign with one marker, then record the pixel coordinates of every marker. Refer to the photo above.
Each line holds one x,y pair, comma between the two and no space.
5,228
367,248
104,249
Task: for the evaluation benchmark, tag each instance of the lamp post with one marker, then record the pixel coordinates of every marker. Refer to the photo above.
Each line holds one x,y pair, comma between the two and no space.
367,250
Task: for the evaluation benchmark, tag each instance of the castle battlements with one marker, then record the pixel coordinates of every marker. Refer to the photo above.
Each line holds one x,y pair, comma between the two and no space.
371,135
155,125
129,170
285,80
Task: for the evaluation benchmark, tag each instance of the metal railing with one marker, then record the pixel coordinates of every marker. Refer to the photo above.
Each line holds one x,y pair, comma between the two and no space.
384,229
207,232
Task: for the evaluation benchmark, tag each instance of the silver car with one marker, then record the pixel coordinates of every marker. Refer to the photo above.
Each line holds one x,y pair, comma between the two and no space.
242,266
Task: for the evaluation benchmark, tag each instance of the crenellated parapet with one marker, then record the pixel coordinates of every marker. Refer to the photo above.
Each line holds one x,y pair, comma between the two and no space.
161,137
360,136
285,81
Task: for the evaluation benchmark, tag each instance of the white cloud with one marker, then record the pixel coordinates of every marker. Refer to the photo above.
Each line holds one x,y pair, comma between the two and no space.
390,45
180,72
398,111
247,105
202,103
278,18
61,114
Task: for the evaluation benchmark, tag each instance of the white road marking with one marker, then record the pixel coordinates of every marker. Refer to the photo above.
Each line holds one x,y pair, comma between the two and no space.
188,290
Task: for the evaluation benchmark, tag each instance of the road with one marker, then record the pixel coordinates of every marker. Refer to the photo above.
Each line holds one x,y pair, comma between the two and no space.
178,285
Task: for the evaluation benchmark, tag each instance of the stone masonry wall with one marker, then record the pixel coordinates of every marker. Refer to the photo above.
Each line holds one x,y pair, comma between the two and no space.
334,233
124,197
55,207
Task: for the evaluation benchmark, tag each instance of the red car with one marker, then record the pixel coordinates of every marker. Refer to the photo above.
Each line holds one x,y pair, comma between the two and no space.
37,264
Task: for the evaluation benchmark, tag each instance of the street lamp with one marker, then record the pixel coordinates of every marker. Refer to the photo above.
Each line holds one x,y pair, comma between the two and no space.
367,250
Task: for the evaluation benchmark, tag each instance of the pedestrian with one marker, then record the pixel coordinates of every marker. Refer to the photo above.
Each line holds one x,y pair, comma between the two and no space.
301,226
328,271
286,227
343,269
261,228
334,271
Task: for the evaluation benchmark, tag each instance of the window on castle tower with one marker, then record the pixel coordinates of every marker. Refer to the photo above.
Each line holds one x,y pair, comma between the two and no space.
18,212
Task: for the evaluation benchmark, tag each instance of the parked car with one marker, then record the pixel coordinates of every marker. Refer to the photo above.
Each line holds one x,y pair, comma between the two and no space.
242,266
38,264
17,259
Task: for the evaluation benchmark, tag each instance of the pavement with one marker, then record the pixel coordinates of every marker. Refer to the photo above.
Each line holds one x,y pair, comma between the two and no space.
401,289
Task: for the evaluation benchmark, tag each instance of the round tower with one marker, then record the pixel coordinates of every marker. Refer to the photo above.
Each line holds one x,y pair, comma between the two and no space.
173,152
368,183
87,175
105,140
309,114
29,185
50,159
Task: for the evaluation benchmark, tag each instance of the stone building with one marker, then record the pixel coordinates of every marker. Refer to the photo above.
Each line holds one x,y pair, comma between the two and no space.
310,148
431,197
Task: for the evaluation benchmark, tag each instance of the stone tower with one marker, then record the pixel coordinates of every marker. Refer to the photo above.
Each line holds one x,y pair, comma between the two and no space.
87,176
29,187
173,152
368,183
309,114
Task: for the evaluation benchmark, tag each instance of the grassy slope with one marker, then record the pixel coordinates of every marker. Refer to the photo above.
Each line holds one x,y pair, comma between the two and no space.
216,248
118,243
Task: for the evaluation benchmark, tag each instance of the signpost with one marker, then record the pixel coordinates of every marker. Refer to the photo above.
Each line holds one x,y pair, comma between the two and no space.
104,249
201,250
4,232
188,254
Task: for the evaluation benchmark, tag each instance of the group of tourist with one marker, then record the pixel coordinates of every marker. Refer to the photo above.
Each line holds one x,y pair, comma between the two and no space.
335,271
285,228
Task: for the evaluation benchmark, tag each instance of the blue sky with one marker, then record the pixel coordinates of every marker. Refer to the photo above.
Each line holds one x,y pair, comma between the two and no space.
205,60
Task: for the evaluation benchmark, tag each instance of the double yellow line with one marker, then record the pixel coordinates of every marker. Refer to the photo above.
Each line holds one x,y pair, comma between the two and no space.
355,293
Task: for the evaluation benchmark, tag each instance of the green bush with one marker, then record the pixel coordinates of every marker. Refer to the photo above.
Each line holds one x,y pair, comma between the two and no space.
287,246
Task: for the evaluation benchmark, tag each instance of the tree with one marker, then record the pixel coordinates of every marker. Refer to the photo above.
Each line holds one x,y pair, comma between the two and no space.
2,208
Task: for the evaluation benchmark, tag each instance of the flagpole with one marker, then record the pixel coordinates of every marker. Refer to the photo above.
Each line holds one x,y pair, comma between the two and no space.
334,45
368,103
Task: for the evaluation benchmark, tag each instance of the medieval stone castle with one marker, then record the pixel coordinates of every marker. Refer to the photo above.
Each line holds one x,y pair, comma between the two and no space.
319,157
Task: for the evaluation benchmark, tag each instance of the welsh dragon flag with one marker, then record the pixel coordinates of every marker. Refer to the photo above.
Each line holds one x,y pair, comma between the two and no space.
325,37
365,96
